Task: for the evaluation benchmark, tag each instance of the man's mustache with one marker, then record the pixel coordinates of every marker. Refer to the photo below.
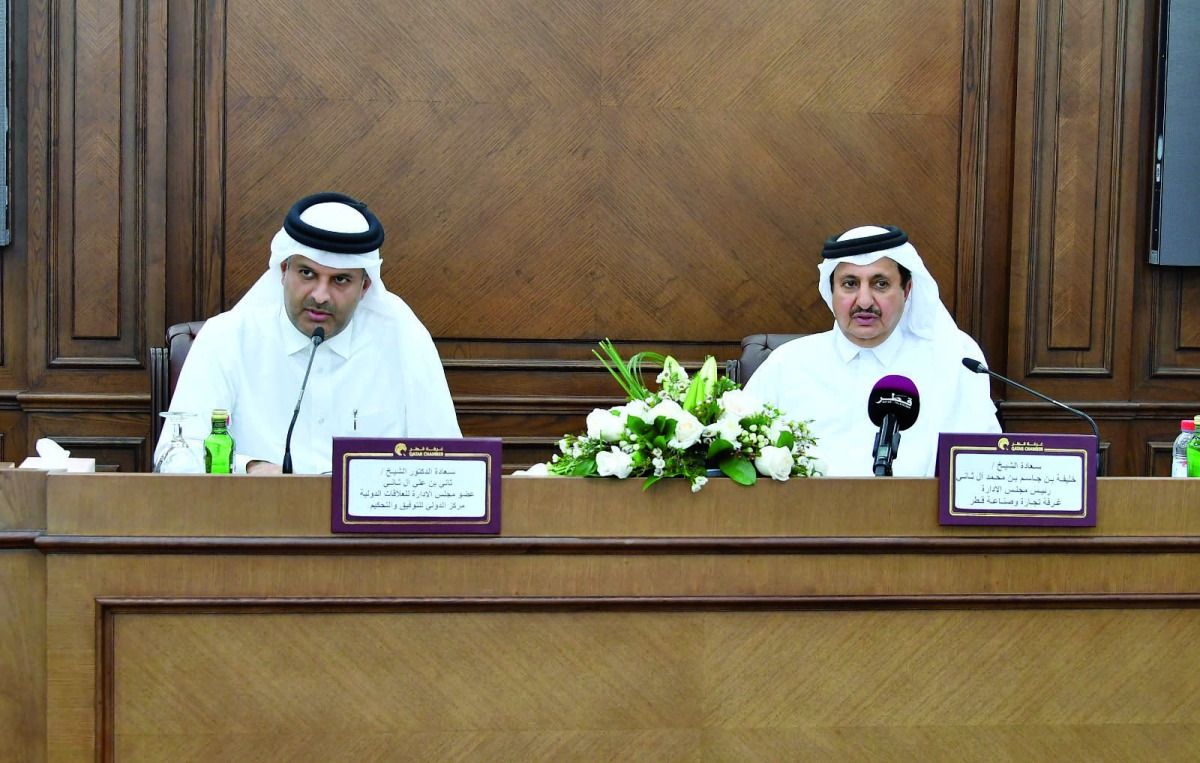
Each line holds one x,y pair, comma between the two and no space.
872,310
324,307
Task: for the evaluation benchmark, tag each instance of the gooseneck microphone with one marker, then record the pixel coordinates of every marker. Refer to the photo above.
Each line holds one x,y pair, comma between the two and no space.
974,365
893,407
318,336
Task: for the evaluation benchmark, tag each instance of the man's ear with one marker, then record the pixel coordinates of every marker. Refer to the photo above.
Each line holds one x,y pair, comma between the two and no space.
908,290
283,266
366,285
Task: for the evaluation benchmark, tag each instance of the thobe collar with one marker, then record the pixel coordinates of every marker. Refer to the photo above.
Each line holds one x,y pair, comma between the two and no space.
887,353
295,340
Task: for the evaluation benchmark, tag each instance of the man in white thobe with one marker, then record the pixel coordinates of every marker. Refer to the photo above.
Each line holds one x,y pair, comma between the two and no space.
889,321
376,374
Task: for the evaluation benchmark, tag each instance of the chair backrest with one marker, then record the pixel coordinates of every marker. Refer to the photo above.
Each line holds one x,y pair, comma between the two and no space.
755,349
165,365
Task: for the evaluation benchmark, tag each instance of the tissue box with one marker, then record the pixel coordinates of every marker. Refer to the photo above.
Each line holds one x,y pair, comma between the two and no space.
71,465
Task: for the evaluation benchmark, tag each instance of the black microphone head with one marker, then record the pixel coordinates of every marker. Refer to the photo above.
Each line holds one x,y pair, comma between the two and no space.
896,395
318,335
974,365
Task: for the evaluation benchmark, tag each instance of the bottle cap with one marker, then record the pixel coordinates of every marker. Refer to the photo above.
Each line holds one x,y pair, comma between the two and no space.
220,415
1188,425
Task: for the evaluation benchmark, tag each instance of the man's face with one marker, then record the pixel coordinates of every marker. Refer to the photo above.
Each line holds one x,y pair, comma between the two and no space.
868,300
315,295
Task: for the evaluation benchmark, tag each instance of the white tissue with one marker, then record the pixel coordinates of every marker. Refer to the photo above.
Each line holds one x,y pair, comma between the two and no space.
52,457
52,453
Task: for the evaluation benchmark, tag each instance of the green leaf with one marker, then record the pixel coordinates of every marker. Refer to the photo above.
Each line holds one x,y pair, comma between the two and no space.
636,425
738,470
786,440
660,442
649,481
635,368
717,447
703,384
695,394
629,376
584,467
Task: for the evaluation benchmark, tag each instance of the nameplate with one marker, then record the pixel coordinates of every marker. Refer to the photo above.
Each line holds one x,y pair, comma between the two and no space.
411,485
1017,479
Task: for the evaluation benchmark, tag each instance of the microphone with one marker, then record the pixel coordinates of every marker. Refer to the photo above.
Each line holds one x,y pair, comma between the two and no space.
974,365
318,336
893,407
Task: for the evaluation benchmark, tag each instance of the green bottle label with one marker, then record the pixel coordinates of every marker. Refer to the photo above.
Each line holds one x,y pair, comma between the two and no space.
1193,456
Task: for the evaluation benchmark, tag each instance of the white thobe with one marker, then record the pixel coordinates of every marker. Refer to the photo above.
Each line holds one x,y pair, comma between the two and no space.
373,379
827,379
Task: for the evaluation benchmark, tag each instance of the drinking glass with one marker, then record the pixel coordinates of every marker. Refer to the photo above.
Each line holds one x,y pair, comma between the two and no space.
179,457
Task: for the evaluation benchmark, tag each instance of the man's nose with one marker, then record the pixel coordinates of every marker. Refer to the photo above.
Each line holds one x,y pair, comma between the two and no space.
863,297
320,292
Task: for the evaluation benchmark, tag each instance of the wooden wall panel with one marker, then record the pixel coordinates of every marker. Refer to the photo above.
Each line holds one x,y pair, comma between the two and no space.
549,176
23,614
107,226
23,656
11,311
178,634
93,254
12,436
985,174
1090,322
1176,341
661,172
13,258
650,685
1166,357
118,441
639,170
89,281
1068,165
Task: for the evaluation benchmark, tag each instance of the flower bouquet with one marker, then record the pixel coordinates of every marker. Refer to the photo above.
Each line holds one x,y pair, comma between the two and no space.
684,429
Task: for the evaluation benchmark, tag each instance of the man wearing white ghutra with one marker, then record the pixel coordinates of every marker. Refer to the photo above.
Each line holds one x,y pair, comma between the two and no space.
889,320
377,372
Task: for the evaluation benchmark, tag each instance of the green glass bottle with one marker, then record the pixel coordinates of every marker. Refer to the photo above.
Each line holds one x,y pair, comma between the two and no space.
1193,452
218,446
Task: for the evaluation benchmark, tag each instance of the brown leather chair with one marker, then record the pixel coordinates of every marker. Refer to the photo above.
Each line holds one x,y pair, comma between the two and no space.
755,349
165,365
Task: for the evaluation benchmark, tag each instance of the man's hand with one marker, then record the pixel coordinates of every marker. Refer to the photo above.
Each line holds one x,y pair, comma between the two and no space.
263,467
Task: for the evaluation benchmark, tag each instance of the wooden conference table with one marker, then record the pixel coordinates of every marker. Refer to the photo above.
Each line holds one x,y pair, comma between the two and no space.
150,617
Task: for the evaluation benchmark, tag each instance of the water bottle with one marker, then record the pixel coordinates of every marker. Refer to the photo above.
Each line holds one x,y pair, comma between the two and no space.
1179,453
218,446
1193,451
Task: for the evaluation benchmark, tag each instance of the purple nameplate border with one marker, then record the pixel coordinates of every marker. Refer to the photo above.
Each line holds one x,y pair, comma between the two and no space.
416,485
1017,479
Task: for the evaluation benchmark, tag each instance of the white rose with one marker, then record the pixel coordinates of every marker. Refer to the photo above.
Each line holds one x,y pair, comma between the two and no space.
687,430
774,462
668,408
638,409
614,463
605,425
537,470
727,428
739,404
